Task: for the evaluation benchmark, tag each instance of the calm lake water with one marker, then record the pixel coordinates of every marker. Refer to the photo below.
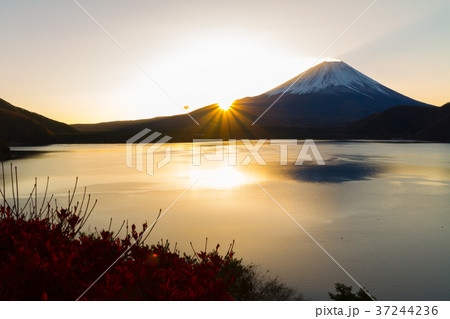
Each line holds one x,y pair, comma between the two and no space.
382,210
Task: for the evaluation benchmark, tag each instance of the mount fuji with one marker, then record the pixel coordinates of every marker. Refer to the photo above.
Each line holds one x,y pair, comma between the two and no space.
319,103
332,77
329,94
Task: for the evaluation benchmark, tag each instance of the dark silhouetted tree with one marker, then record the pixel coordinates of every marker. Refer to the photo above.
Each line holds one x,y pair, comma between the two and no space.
345,293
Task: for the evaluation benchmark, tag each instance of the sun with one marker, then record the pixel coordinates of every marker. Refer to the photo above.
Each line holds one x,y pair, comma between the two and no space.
225,105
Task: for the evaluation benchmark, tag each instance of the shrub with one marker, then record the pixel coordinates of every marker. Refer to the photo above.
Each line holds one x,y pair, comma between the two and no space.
45,256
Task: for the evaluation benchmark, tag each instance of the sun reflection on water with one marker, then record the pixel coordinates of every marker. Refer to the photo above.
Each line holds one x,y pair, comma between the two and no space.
222,177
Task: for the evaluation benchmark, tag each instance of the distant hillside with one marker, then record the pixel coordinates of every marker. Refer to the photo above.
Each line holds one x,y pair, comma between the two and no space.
405,122
214,123
399,122
21,127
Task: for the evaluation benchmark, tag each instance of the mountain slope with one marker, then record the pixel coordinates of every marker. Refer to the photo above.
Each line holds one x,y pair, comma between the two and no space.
19,126
214,123
405,122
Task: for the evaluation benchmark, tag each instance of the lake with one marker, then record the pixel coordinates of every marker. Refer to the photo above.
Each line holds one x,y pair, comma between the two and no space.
380,209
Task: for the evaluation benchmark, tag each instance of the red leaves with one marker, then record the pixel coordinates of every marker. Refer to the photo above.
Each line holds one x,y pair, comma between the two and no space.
41,260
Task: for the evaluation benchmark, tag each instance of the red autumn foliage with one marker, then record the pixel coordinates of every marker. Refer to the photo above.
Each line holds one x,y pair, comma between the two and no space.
45,257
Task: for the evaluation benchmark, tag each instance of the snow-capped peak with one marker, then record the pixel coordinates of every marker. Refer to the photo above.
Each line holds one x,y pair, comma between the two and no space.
331,77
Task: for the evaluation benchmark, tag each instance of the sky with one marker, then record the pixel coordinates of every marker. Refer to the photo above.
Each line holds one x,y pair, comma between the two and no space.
54,60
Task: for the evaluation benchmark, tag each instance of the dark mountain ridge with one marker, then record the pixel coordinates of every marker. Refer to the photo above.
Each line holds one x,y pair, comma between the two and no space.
405,122
21,127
